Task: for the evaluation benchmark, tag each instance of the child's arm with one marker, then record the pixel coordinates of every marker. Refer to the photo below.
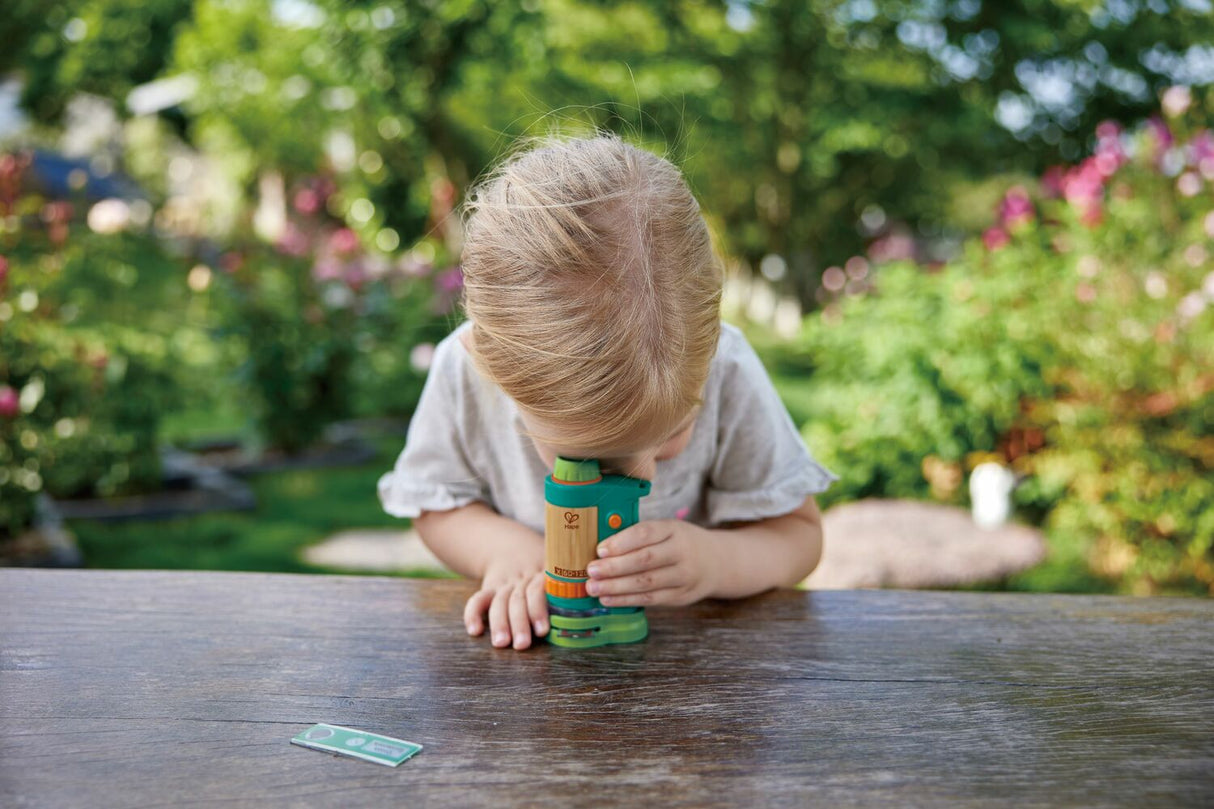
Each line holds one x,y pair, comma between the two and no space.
506,556
676,562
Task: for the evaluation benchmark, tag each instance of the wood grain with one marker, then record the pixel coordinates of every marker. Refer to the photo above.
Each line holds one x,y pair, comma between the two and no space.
571,536
146,689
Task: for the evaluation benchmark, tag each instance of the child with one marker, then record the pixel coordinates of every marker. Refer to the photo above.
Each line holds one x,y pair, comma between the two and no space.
593,295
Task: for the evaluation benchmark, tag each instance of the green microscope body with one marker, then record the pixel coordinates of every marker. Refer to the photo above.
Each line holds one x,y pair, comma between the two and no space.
584,507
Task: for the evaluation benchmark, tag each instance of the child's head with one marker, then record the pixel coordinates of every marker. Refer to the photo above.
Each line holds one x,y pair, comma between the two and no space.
594,292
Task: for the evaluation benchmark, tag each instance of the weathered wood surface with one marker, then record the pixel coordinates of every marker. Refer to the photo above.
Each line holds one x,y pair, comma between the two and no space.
147,689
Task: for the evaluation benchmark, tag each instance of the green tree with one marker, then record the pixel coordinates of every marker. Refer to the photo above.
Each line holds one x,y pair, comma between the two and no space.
791,118
363,87
103,47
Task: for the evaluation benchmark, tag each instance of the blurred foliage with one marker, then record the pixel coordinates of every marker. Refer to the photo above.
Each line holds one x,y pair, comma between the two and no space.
299,349
1073,342
103,332
81,392
402,317
822,111
103,47
327,328
366,91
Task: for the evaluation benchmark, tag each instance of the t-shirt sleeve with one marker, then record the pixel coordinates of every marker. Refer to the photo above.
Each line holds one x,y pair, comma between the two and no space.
762,467
433,472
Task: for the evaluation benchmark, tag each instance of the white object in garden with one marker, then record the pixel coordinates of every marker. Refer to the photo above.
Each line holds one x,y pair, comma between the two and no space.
270,218
991,494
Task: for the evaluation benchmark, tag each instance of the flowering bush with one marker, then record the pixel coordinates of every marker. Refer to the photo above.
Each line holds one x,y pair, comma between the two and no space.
1073,341
330,329
404,315
81,391
298,342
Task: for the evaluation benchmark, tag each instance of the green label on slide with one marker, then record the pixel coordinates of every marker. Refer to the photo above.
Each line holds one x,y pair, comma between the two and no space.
357,743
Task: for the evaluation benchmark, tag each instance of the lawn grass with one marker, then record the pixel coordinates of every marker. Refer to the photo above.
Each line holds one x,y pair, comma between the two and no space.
295,509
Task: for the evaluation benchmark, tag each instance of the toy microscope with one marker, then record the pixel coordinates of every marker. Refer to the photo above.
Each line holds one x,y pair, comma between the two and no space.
584,507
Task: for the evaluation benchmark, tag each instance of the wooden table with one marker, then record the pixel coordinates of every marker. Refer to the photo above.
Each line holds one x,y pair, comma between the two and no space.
150,689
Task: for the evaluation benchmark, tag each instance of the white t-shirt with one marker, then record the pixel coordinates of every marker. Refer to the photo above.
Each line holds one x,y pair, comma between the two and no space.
745,460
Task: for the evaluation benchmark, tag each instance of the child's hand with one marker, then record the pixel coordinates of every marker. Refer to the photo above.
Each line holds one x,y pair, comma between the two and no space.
655,562
517,606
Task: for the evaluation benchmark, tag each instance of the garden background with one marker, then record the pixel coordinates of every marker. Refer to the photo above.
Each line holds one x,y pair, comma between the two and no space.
958,231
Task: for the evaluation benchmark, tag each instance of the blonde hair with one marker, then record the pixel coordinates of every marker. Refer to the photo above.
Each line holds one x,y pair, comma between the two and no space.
593,289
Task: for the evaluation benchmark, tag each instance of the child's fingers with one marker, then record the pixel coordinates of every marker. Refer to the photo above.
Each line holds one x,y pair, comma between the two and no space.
499,618
669,597
474,611
661,578
537,605
519,625
637,561
636,536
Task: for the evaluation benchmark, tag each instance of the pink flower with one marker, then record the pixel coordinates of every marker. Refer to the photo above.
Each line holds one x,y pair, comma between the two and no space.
1106,163
834,279
1110,154
1083,187
1015,209
56,212
10,402
1084,182
327,269
313,196
344,240
893,246
306,201
1051,181
1108,130
1159,137
1201,153
57,216
448,283
355,274
12,167
451,281
995,238
1201,146
292,242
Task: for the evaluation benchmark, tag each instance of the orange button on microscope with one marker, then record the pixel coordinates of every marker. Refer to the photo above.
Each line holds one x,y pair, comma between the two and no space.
615,520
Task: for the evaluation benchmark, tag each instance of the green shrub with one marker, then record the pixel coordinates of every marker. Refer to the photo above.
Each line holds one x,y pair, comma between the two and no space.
83,383
403,317
1074,342
298,346
328,329
90,405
